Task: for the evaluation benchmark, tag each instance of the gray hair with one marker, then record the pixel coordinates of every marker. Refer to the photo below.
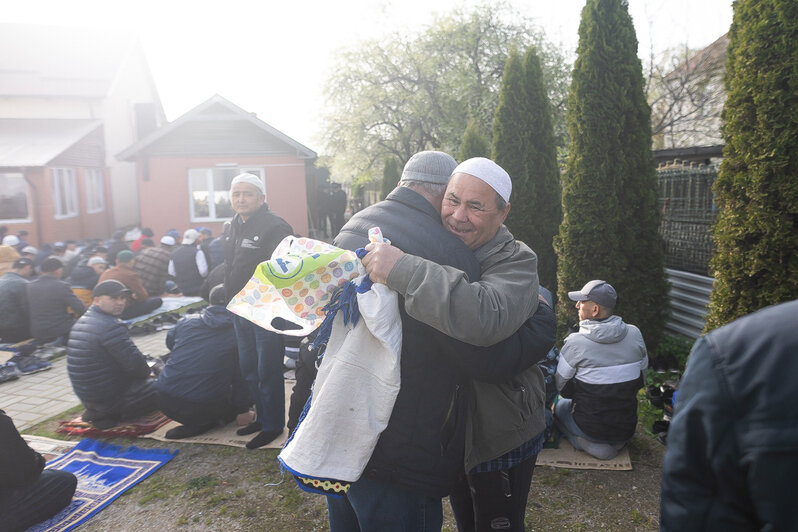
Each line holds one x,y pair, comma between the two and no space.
432,189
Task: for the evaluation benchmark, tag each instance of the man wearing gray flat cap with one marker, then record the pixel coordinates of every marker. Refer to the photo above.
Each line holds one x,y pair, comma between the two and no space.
601,368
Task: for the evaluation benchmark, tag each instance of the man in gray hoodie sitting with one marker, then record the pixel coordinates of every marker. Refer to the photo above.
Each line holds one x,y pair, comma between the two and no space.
601,368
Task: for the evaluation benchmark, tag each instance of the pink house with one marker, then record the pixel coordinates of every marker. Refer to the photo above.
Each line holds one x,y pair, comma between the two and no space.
184,168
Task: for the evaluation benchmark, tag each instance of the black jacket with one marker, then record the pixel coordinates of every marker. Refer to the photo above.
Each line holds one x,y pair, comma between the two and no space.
102,360
247,244
48,301
422,447
187,273
203,362
19,464
732,456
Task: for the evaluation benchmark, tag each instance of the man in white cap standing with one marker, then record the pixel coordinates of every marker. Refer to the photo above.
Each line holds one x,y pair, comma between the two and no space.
601,368
505,428
249,239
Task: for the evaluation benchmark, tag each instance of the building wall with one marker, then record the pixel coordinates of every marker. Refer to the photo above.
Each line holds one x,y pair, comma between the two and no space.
133,84
164,199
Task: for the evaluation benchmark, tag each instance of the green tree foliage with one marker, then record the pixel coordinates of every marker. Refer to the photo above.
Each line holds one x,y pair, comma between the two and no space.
411,92
390,176
610,216
474,143
756,232
523,144
543,173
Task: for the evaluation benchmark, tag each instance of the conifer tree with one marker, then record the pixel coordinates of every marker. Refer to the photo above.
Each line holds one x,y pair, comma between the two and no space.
509,144
610,216
543,175
390,176
756,232
474,143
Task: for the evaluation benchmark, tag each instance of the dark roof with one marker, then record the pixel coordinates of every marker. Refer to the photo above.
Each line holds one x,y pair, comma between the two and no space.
36,142
709,59
37,60
218,111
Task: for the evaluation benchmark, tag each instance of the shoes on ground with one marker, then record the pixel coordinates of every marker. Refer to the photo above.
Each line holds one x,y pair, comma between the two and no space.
249,429
27,364
99,420
263,438
9,372
188,431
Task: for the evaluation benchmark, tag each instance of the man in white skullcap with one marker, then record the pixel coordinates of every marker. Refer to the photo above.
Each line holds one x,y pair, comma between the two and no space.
249,239
500,449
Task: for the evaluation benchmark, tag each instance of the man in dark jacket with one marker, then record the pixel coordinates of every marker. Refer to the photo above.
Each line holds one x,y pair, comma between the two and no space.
28,493
188,264
732,456
49,303
201,385
249,239
420,453
109,374
14,325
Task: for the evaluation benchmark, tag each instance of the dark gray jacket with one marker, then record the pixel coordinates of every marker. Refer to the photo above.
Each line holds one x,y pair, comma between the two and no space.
48,302
102,360
732,456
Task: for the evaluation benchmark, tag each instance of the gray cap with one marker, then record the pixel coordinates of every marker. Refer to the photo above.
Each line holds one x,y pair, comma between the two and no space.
429,167
597,291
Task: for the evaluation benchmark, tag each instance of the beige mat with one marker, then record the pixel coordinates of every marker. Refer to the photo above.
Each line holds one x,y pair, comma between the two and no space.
226,435
568,457
48,447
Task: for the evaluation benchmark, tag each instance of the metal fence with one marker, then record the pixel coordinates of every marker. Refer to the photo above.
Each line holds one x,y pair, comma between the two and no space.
685,201
688,297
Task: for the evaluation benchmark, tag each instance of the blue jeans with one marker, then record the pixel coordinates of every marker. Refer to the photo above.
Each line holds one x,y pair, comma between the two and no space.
260,355
564,419
377,506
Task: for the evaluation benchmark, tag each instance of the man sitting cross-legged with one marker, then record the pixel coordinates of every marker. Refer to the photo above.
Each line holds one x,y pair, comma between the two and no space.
201,385
109,374
601,368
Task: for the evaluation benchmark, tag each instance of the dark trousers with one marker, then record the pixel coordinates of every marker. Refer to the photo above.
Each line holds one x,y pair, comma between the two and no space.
39,501
196,414
139,308
494,500
260,356
140,398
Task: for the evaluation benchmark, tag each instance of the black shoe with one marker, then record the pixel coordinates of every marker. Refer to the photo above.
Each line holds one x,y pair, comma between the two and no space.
188,431
249,429
263,438
104,423
654,395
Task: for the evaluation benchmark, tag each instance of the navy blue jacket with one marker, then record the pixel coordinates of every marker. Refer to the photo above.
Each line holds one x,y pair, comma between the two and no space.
422,447
102,360
203,364
732,456
187,274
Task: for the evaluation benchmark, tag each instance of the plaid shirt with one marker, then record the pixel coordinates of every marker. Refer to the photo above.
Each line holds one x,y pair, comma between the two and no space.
514,457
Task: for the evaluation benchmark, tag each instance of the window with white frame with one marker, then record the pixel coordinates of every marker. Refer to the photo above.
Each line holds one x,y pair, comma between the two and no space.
209,192
65,192
95,191
13,198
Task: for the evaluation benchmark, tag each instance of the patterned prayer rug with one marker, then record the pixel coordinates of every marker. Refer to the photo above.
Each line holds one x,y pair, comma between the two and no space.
128,429
104,472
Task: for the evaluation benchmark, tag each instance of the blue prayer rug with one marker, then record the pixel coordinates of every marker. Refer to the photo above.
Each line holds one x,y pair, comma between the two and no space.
104,472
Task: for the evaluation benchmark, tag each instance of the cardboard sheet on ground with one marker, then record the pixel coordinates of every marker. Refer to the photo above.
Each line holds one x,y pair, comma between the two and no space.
295,285
225,435
569,458
170,304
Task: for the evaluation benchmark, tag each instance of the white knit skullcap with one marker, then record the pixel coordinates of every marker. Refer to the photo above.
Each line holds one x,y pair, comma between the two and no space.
252,179
10,240
489,172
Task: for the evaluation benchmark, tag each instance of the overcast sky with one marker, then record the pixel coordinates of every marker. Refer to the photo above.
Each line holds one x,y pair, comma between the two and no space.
272,58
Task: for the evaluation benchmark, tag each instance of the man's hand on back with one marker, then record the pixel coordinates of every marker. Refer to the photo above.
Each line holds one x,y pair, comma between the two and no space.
380,260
